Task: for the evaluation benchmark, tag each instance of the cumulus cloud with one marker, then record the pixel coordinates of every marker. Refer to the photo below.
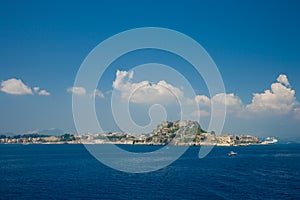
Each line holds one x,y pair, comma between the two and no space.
81,91
203,100
44,93
144,91
36,89
97,93
280,99
15,87
200,113
232,103
40,92
282,78
77,90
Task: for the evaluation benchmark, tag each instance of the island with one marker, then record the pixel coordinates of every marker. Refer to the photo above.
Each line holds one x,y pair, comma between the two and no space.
178,133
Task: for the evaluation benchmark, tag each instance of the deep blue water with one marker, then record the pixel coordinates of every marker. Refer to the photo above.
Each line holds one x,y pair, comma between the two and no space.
70,172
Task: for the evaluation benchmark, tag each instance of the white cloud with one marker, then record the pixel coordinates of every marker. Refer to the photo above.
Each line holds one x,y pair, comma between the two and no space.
145,92
219,101
229,100
40,92
282,78
97,93
36,89
81,91
279,100
77,90
15,87
200,113
44,93
203,100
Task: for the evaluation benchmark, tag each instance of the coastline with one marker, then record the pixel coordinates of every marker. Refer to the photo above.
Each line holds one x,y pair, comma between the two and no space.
179,133
138,144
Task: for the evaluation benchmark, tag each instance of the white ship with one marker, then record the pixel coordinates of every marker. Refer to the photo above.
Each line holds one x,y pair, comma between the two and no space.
270,140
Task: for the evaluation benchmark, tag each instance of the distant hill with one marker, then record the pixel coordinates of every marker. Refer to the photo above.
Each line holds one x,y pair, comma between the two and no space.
8,134
54,131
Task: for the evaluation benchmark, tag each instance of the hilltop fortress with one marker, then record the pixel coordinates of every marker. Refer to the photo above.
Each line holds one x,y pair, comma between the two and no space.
177,133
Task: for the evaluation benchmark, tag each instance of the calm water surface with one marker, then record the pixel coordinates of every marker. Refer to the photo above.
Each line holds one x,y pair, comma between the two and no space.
70,172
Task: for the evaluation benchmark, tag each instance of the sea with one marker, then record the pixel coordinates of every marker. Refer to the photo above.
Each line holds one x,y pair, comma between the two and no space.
70,172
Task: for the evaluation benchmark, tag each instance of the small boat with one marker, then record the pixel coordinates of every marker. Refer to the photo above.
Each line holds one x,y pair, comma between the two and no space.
231,153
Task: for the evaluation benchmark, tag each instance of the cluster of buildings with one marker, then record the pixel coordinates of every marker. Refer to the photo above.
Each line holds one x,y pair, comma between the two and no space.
40,139
176,133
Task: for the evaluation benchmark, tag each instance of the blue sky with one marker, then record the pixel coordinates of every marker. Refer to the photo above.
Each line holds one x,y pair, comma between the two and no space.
44,43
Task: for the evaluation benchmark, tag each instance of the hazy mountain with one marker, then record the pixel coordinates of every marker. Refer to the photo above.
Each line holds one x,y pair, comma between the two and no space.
54,131
8,133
